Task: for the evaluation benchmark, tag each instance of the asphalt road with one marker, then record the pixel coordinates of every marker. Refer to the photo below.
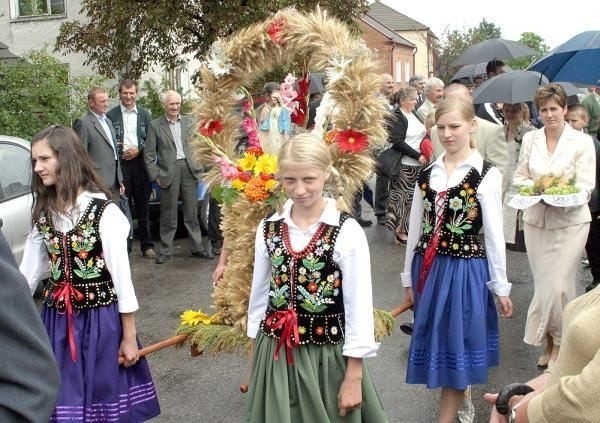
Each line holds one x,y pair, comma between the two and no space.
206,388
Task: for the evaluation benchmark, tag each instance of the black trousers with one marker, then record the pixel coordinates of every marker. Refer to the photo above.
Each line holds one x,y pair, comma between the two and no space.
137,189
592,246
382,188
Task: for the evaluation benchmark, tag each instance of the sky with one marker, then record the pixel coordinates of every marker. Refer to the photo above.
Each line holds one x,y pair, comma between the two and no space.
553,24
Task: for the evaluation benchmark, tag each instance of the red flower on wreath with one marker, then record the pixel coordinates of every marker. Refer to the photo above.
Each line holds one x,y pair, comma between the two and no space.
351,141
210,127
274,30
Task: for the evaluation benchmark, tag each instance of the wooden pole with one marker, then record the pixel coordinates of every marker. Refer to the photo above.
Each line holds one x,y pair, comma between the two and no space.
174,340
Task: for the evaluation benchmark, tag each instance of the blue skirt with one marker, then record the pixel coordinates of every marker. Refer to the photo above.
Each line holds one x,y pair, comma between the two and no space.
455,333
95,387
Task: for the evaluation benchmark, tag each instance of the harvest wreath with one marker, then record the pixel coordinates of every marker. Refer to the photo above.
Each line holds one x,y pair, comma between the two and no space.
352,108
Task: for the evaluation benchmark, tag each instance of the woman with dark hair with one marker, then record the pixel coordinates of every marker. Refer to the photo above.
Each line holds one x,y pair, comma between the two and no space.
405,133
554,236
80,238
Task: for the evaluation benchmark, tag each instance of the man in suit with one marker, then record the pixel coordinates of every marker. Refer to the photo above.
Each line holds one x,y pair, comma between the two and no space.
29,378
169,162
131,124
490,139
418,81
489,111
434,93
98,137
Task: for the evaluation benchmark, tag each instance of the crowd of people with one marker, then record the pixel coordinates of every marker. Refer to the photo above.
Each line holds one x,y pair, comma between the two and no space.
443,184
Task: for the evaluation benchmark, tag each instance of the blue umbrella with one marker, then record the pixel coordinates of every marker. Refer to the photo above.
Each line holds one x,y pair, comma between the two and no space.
577,60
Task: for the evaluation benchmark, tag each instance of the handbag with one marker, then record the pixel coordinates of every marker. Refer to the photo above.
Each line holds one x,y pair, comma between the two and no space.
389,163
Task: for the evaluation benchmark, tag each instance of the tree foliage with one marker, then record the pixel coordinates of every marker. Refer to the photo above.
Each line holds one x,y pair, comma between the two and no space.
127,36
534,41
37,92
454,42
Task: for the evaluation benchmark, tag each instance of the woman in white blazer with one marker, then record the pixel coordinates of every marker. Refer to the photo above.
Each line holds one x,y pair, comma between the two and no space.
554,236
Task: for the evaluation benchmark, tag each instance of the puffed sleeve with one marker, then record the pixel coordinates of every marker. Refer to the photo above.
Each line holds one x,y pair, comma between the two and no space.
415,226
489,194
259,295
352,255
35,263
114,230
522,175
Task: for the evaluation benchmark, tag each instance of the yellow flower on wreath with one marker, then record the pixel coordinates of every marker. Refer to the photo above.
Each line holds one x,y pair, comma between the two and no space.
247,162
193,318
266,164
270,185
238,184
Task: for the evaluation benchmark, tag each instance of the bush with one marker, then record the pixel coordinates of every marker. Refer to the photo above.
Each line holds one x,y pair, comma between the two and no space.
36,92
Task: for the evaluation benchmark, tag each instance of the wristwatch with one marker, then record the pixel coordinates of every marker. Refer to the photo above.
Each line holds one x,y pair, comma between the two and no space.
512,414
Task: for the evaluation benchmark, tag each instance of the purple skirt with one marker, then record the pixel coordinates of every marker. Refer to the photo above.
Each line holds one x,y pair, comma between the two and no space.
95,387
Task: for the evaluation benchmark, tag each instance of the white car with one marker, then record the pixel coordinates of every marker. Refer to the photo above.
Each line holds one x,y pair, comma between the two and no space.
15,192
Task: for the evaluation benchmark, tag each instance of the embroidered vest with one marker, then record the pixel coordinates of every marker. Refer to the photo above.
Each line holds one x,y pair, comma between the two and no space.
462,218
76,262
309,282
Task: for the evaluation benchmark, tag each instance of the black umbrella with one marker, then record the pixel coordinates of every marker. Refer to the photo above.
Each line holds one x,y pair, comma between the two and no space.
514,87
496,48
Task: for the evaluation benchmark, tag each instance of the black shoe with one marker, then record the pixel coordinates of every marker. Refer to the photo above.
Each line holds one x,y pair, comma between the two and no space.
363,222
591,286
407,328
161,258
203,255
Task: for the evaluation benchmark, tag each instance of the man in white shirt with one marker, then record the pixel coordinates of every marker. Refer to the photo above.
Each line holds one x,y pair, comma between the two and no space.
175,172
131,123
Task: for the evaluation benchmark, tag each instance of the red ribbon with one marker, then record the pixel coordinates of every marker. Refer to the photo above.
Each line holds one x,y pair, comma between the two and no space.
431,250
64,291
287,321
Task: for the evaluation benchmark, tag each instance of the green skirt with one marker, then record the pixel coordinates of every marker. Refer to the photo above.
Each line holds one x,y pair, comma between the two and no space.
306,391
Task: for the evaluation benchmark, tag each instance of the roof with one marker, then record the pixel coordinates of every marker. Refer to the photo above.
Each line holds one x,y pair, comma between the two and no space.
393,36
393,19
6,54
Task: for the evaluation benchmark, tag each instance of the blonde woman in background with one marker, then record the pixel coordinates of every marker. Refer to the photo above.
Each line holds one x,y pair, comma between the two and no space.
516,124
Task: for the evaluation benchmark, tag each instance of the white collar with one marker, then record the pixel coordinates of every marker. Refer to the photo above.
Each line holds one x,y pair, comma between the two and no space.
125,109
474,160
330,215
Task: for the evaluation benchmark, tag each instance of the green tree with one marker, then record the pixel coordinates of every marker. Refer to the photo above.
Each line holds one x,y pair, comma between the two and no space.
37,92
454,42
127,36
534,41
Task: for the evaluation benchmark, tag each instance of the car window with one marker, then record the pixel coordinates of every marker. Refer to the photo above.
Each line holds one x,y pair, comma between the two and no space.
15,171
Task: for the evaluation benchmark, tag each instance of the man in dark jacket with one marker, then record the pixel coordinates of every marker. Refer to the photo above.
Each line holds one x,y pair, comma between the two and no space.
131,123
29,378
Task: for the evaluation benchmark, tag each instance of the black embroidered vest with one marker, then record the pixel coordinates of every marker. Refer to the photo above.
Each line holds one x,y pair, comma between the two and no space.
462,218
309,282
76,259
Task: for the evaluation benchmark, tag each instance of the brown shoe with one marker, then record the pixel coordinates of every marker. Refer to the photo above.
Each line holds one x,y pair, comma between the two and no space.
149,254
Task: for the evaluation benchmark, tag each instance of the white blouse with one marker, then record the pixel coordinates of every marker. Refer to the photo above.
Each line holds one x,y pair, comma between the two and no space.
415,131
489,195
114,229
351,253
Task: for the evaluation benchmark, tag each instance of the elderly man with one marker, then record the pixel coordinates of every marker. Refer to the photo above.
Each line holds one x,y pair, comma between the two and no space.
98,137
170,164
434,93
131,123
418,81
382,181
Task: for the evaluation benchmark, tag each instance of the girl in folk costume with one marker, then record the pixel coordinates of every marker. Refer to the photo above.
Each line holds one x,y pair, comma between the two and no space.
310,309
448,274
80,238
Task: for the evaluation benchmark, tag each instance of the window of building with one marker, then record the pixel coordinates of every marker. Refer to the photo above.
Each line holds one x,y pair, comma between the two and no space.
30,8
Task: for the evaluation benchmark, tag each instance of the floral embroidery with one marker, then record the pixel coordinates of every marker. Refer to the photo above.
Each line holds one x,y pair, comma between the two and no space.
465,210
427,215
